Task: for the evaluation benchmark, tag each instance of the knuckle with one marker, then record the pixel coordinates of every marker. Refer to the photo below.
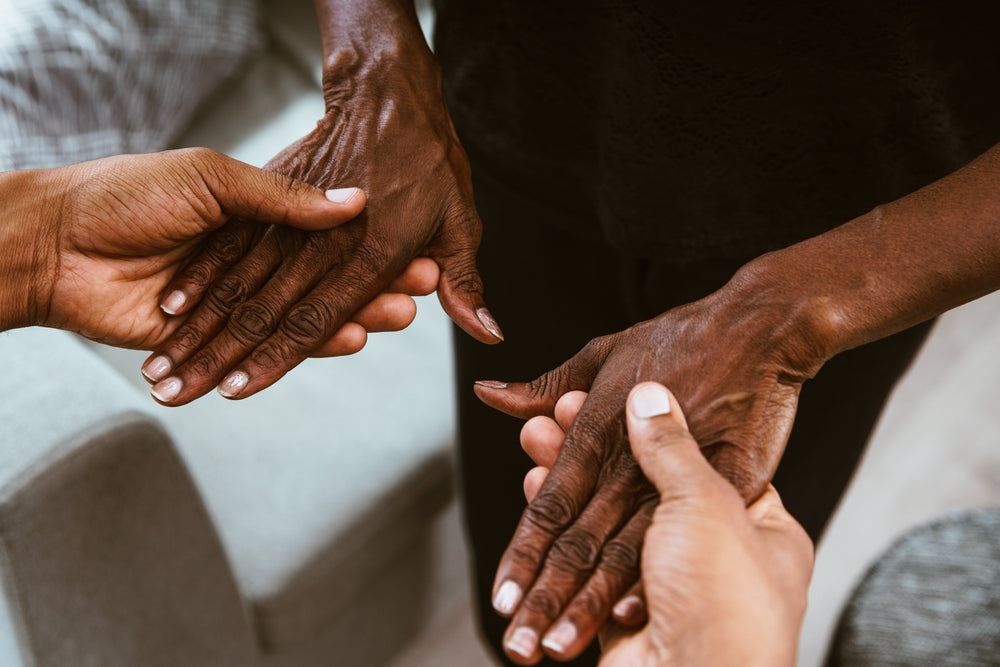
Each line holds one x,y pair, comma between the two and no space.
186,339
621,558
577,550
308,323
227,294
590,605
274,356
551,511
252,322
543,602
525,557
198,273
205,364
226,246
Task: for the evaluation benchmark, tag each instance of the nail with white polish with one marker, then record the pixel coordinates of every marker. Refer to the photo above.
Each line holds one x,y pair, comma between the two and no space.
561,638
167,390
341,195
507,598
523,642
486,319
234,384
174,302
492,384
156,368
650,400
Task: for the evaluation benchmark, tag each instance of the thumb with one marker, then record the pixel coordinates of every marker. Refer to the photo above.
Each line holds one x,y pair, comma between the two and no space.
663,446
539,397
267,196
460,288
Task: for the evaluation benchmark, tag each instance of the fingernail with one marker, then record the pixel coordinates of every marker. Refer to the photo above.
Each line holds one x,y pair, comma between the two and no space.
234,384
491,324
492,384
167,390
650,400
342,195
523,642
507,598
561,638
174,302
627,606
156,368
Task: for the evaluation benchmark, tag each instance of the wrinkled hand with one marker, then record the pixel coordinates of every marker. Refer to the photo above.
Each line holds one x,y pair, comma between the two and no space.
735,359
279,299
726,585
121,227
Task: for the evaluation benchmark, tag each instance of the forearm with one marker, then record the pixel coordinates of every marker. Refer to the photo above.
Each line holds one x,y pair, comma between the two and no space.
898,265
28,201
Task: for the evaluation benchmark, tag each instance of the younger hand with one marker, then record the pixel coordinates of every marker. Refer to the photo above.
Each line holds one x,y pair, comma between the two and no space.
724,585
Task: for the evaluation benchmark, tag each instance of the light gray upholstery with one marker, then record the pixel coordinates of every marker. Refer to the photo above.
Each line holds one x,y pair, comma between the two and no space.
109,557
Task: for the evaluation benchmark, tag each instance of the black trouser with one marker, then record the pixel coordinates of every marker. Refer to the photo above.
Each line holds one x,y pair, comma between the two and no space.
552,292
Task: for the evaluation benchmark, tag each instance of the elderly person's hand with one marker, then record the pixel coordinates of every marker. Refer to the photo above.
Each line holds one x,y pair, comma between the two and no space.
736,359
387,130
91,247
724,584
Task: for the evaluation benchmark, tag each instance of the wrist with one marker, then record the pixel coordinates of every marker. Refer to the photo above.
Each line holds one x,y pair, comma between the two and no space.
29,213
804,324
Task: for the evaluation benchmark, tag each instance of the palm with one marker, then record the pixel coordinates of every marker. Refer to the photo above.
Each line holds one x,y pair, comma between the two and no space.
118,251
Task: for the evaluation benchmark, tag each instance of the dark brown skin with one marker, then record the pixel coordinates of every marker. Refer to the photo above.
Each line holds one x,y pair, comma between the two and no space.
387,130
735,360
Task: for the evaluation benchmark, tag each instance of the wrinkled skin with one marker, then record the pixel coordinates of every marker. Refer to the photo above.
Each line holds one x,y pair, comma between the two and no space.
389,133
110,234
736,364
726,585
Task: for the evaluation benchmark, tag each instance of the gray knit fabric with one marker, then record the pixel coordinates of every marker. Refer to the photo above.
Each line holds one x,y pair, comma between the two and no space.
82,79
932,599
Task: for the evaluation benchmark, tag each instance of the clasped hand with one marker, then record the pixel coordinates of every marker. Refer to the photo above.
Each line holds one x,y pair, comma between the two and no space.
103,239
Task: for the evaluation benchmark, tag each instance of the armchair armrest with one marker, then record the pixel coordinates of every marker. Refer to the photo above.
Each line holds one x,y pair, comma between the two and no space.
107,554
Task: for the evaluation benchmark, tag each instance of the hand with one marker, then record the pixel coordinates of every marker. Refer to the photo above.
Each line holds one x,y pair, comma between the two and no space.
725,585
736,360
386,129
110,234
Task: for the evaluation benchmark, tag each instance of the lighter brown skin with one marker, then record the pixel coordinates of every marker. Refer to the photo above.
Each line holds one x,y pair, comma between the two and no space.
736,359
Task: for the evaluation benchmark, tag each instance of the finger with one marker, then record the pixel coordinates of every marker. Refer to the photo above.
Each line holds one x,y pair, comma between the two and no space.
541,439
564,495
267,196
533,482
539,397
225,296
349,339
218,253
460,288
419,279
387,312
630,610
308,324
667,452
616,572
584,560
568,406
251,324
